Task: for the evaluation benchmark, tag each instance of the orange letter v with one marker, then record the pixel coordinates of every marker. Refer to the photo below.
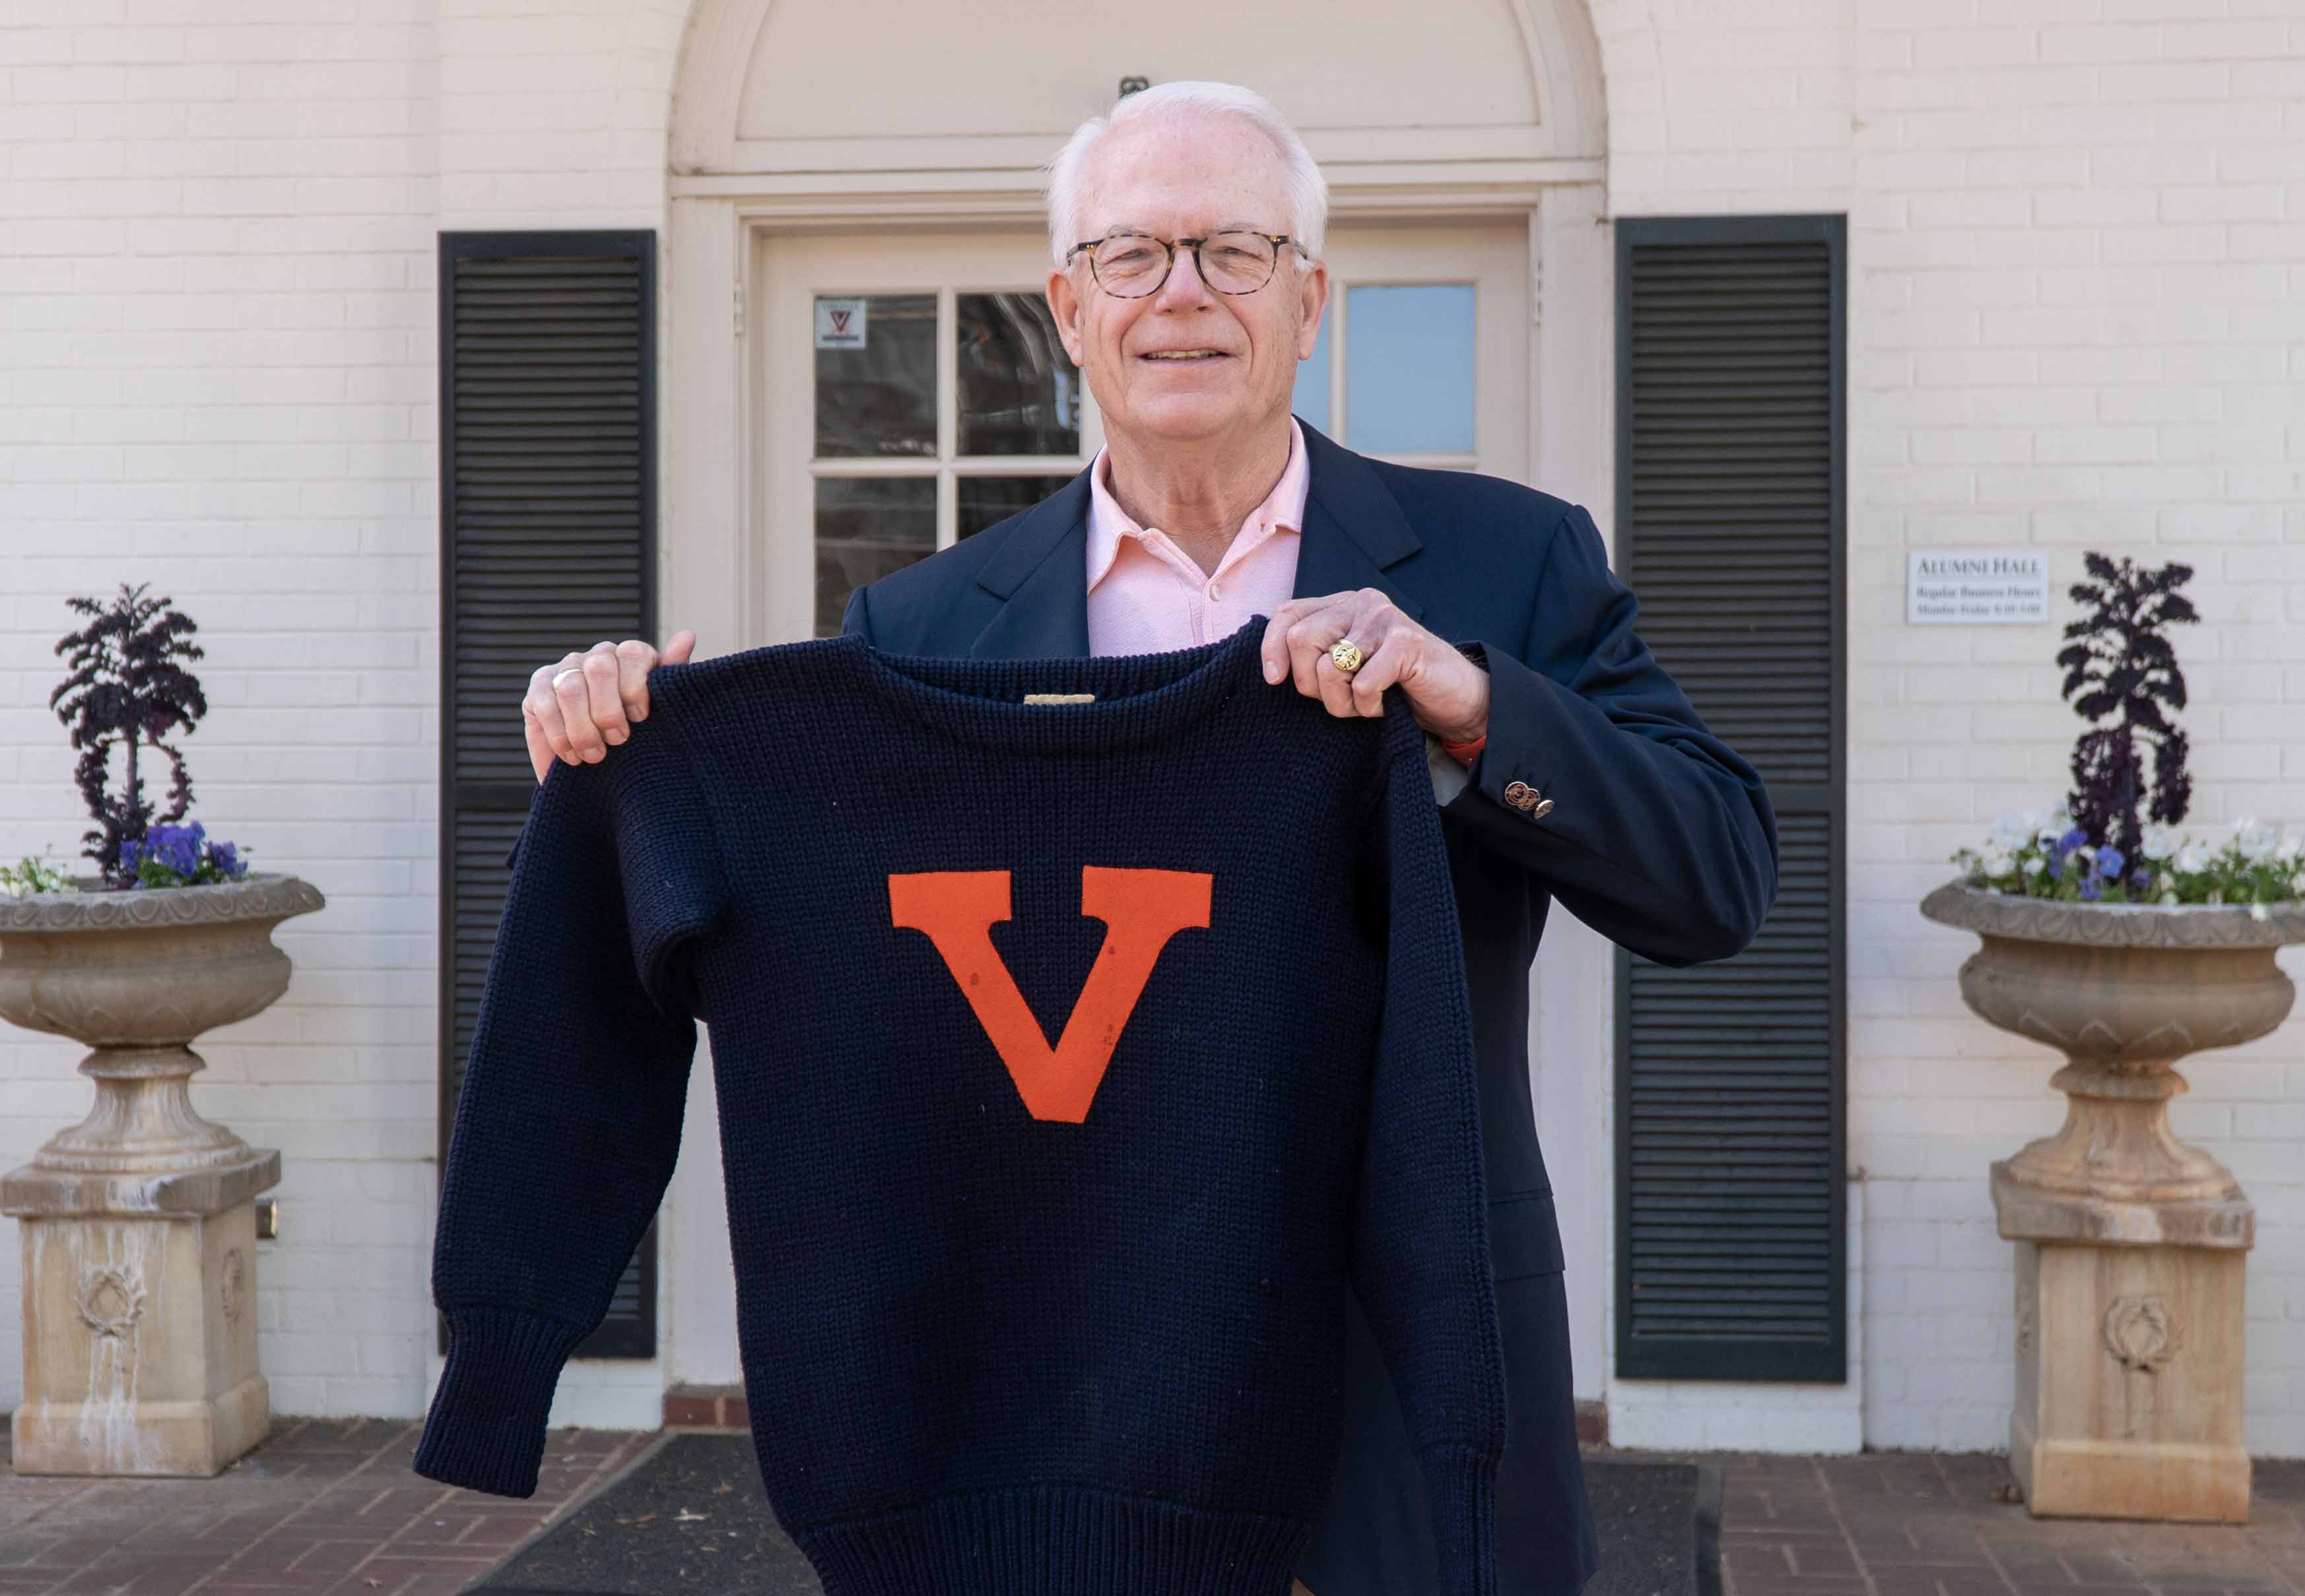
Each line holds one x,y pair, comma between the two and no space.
1141,908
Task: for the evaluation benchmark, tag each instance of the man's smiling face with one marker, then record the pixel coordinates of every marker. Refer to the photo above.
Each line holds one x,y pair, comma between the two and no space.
1187,363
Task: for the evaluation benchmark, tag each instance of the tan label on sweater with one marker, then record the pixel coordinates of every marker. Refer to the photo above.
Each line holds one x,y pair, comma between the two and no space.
1060,698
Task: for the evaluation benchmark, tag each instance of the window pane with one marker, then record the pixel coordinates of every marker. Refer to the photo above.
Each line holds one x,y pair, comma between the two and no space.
1311,400
1409,369
865,528
983,500
1019,390
875,375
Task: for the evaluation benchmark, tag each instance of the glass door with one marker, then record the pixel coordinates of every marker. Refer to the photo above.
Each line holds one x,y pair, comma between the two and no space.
1422,357
912,391
917,394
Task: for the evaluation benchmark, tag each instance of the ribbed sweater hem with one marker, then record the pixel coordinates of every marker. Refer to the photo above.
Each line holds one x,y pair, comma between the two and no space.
1056,1541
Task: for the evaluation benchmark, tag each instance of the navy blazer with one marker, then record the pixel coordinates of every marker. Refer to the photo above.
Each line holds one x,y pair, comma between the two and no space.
1657,835
1660,835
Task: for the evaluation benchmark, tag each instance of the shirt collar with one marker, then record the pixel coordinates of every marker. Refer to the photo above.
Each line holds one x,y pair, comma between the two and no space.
1283,510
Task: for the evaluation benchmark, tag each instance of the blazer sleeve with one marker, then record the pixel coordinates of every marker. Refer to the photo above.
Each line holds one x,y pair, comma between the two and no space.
1659,834
568,1122
1419,1258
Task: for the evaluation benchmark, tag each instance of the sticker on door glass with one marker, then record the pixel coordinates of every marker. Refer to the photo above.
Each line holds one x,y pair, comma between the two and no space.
839,324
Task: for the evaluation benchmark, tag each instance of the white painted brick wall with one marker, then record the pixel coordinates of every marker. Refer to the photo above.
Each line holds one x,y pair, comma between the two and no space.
2077,293
2077,320
216,266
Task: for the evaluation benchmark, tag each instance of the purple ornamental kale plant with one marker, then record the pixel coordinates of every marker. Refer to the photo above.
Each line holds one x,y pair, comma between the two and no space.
2124,666
127,690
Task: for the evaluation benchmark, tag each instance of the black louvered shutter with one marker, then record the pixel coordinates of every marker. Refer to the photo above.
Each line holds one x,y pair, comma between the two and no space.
1730,1183
548,543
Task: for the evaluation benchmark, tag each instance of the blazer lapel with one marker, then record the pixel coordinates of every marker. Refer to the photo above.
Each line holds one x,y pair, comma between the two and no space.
1353,532
1353,529
1041,576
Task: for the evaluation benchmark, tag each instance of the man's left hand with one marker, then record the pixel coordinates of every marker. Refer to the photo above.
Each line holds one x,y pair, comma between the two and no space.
1448,692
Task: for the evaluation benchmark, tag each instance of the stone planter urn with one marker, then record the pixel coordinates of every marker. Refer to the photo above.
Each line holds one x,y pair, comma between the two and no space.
2130,1245
139,1223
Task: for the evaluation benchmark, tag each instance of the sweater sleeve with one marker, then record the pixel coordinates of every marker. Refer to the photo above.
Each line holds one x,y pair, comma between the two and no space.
568,1122
1420,1251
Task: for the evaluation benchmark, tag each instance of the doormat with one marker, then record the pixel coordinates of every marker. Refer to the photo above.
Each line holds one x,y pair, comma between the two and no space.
1659,1525
689,1518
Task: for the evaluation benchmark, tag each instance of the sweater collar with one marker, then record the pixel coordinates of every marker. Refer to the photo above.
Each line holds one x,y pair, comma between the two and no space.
1140,698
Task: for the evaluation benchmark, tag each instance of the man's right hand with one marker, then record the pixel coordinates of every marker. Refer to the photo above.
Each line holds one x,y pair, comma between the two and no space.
579,708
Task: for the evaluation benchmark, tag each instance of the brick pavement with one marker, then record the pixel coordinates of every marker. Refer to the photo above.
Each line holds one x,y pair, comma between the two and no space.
322,1506
1927,1523
328,1508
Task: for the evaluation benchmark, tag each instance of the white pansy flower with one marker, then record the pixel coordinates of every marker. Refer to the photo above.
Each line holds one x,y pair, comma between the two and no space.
2257,912
2169,897
2158,844
2291,845
2257,843
1997,863
2009,831
2194,858
2036,865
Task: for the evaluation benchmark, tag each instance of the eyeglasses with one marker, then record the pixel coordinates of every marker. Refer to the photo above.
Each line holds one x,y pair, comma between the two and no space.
1132,265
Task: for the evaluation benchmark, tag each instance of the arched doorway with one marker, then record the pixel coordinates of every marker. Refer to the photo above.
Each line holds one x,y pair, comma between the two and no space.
882,157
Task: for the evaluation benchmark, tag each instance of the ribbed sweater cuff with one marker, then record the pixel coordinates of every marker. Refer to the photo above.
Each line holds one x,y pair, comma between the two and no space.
1461,1496
486,1428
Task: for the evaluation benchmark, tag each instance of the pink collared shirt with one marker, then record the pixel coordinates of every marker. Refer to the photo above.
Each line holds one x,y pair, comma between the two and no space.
1148,596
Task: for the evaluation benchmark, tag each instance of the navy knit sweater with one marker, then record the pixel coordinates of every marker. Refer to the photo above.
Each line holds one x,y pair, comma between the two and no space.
1016,1318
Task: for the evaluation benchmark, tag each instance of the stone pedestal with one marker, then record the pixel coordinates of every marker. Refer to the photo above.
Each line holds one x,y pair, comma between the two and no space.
2132,1246
139,1223
139,1321
2129,1380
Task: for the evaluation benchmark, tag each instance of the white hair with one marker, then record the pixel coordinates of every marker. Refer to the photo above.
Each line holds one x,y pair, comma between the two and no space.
1308,190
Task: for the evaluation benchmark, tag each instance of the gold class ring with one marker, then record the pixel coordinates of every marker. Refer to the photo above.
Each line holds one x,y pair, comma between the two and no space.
1346,655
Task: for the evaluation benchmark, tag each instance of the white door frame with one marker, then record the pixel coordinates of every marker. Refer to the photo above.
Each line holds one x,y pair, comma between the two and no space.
709,547
724,188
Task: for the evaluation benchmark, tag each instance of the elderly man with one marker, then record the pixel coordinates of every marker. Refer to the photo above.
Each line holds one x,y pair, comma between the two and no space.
1187,283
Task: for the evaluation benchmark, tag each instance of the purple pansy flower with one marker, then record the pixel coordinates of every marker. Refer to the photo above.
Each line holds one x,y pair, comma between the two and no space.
184,851
2109,862
178,847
